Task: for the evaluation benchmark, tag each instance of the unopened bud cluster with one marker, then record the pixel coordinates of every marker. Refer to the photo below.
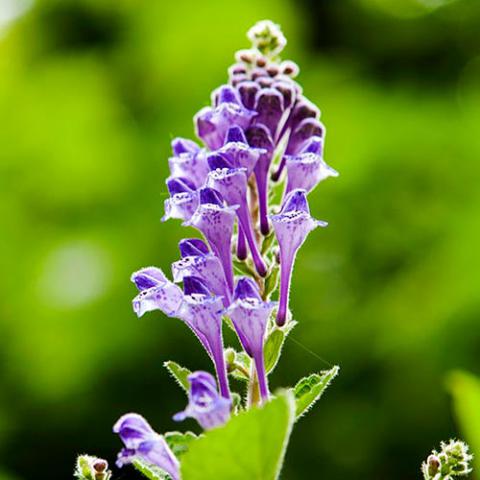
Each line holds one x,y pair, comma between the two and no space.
261,63
453,460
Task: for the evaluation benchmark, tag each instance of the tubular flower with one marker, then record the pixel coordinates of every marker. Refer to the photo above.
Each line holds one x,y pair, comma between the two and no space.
215,221
142,442
292,226
156,292
202,312
205,404
237,152
250,314
259,136
183,201
212,123
307,169
202,264
232,185
188,161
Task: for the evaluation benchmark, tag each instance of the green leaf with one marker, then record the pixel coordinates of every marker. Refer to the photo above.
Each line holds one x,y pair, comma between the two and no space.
179,441
465,389
309,389
179,373
250,446
150,471
273,348
274,345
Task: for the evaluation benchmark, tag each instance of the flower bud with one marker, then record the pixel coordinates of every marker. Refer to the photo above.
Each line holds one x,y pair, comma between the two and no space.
92,468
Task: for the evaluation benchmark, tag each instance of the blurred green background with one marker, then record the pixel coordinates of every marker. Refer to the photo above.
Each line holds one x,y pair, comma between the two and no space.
91,94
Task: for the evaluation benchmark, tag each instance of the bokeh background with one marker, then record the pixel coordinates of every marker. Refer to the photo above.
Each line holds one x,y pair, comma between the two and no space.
91,94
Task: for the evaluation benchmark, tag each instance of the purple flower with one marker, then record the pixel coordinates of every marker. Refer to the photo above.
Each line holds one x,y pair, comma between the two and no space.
204,265
156,292
269,106
189,161
183,201
291,225
142,442
212,123
288,91
308,168
250,314
237,152
248,91
192,246
308,128
302,124
215,221
202,312
232,185
205,405
259,136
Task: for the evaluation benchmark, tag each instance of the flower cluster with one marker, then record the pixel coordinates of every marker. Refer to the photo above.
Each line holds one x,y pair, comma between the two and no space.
258,131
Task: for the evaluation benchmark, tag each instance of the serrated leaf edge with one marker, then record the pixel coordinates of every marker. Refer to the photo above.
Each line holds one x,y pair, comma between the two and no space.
326,378
167,364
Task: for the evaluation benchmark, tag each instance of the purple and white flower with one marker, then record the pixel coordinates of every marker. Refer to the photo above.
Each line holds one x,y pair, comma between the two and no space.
142,442
292,226
237,152
232,185
205,404
269,107
203,264
250,314
212,123
259,137
202,312
215,221
156,292
307,169
183,200
188,161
